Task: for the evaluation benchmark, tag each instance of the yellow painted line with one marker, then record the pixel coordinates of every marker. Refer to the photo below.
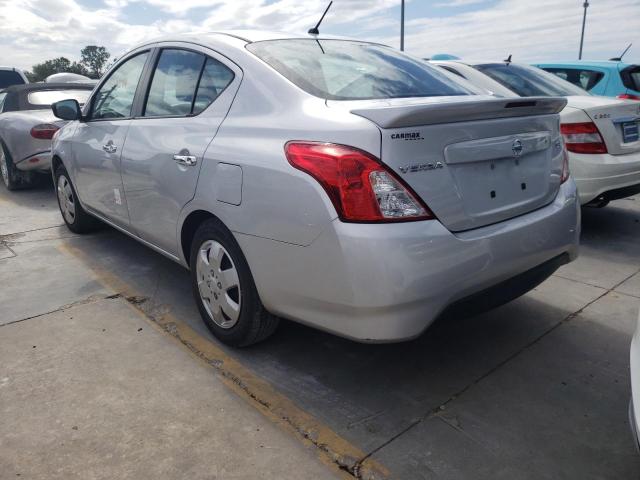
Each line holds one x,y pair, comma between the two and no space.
335,451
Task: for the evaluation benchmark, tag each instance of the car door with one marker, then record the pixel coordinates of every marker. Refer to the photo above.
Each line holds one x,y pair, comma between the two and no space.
189,94
99,138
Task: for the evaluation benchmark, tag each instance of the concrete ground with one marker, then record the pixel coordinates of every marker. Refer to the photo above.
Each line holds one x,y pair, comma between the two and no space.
536,389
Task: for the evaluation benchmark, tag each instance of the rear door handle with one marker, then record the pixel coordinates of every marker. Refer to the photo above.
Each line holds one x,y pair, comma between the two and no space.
110,148
186,160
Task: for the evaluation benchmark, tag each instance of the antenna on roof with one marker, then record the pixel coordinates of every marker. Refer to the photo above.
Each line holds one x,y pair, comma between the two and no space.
314,30
508,59
619,59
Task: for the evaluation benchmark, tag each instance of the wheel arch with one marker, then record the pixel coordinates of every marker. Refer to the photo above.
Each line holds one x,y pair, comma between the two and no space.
189,227
56,161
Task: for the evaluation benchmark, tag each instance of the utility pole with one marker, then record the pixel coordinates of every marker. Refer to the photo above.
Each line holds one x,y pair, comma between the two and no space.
402,26
584,21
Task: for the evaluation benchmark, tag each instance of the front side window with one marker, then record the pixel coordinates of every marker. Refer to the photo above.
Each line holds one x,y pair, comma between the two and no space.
174,83
45,98
2,96
349,70
115,97
529,81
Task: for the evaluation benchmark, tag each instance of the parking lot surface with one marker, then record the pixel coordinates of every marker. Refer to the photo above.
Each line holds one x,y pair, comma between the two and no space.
536,389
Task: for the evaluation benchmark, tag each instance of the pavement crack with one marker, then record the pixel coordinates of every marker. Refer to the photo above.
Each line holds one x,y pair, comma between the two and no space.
85,301
7,236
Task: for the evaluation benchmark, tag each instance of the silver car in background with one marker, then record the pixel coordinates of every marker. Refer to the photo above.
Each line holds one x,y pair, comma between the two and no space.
27,126
337,183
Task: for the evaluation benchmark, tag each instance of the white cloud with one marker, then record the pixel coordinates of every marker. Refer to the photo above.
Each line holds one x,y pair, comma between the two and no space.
36,30
458,3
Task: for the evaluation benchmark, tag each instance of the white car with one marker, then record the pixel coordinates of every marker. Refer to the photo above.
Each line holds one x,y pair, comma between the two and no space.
601,133
634,404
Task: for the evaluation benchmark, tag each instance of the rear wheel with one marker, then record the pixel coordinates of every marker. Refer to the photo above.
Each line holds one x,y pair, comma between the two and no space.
77,220
13,178
224,289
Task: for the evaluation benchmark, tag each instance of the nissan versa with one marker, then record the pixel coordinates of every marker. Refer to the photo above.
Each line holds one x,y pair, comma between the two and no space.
337,183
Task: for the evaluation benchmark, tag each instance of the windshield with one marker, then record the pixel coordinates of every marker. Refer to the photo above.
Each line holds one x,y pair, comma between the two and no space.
529,81
347,70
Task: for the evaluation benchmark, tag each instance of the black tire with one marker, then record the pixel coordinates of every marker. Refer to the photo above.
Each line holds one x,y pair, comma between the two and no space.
254,323
12,178
81,221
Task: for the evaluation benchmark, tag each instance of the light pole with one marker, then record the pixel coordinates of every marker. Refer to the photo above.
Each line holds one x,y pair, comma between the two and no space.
402,26
584,21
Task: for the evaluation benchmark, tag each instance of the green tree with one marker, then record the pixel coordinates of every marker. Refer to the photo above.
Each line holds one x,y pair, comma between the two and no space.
42,70
94,59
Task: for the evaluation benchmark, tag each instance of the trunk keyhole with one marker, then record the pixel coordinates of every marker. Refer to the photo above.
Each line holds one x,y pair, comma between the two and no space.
523,186
493,194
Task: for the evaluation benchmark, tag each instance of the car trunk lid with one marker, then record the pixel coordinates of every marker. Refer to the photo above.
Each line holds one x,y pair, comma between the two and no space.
617,120
473,160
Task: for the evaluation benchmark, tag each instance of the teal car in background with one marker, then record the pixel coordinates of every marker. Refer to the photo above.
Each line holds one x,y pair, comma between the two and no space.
608,78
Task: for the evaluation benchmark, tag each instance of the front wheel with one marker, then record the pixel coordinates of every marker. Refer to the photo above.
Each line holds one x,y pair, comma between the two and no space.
224,289
74,216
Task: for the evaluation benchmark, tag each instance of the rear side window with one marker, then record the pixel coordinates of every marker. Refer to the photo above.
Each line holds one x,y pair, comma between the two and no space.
115,97
215,78
2,97
631,77
582,78
174,83
347,70
185,83
45,98
9,77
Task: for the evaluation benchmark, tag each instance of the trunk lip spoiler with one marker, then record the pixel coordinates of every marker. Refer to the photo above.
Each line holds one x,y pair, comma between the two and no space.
420,114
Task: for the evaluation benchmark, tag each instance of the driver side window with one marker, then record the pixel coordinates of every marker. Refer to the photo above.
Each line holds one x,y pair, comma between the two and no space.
115,98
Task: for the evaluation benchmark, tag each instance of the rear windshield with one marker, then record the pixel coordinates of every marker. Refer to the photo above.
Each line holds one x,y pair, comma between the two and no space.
47,97
9,77
347,70
631,77
529,81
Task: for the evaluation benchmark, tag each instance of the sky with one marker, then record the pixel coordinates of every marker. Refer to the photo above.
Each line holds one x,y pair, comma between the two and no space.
32,31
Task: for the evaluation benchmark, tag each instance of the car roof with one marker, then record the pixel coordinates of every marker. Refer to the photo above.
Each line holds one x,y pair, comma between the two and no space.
245,36
33,87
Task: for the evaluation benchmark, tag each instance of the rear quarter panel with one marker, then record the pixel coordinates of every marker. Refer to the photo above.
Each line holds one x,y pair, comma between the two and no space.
277,201
15,130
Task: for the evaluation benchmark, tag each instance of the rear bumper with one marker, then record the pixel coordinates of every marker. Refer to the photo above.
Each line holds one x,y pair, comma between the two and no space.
596,175
38,161
388,282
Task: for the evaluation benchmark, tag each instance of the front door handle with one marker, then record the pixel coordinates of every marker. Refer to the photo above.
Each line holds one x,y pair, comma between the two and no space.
186,160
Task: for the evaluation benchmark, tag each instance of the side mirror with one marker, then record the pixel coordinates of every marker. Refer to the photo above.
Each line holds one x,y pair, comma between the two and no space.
67,109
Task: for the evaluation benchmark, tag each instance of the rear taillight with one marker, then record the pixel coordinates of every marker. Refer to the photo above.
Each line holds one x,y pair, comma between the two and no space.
44,131
628,96
583,138
359,186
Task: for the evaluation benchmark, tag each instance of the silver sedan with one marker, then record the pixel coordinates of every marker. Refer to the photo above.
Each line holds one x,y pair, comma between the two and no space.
337,183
